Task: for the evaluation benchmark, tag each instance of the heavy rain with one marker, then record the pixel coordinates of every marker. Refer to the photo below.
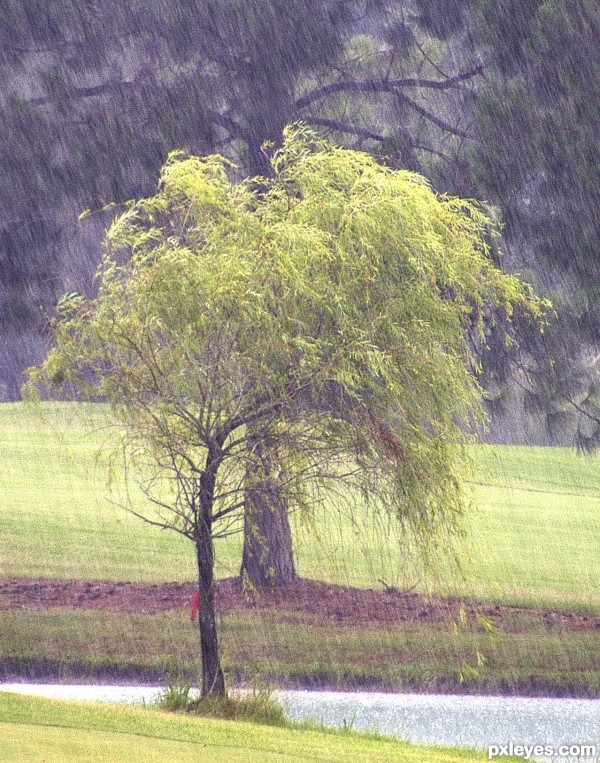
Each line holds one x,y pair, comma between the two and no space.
299,379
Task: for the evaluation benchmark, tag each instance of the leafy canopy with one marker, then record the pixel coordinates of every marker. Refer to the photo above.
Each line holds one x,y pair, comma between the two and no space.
326,307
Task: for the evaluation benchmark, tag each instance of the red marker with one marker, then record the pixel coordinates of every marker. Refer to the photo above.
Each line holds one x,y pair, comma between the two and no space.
194,606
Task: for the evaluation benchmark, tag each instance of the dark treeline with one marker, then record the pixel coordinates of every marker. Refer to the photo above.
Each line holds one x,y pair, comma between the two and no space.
496,100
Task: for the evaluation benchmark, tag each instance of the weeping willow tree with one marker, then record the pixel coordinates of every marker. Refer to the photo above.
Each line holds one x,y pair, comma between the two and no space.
312,330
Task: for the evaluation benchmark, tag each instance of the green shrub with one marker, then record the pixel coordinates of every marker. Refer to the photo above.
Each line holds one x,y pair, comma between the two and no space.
255,706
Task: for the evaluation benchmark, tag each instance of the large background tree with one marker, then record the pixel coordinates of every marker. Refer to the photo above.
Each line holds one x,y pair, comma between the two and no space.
320,325
535,157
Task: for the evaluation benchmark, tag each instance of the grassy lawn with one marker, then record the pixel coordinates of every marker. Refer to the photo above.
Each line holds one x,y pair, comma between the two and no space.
39,730
286,650
533,529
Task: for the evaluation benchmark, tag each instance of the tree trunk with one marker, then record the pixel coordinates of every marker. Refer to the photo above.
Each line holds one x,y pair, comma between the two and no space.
213,681
268,557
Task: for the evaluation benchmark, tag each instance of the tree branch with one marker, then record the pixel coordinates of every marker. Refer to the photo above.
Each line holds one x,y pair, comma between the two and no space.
229,124
445,126
228,510
160,525
428,149
122,88
385,86
108,88
334,124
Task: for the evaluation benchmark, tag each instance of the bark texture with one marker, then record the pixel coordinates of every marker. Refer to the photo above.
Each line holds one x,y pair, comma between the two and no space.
268,558
213,681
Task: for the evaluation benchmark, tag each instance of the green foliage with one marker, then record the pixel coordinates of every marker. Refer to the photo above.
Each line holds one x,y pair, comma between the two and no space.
256,705
473,667
331,307
176,697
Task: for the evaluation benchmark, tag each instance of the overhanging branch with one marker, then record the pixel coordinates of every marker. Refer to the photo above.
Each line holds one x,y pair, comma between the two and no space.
123,88
385,86
334,124
445,126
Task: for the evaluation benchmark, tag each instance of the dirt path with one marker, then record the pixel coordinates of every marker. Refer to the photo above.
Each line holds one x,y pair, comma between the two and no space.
336,604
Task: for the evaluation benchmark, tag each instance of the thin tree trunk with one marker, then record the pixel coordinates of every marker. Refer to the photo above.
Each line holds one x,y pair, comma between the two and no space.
268,557
213,681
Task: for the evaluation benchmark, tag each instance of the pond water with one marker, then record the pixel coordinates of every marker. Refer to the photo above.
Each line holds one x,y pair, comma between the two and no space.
464,721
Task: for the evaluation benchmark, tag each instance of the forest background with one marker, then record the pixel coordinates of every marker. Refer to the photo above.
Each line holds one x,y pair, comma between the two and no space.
493,100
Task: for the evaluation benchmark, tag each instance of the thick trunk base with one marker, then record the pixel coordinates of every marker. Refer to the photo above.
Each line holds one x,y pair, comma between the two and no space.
268,559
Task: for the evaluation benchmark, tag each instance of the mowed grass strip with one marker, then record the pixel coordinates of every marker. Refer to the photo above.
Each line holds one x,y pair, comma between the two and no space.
36,730
63,505
284,649
533,528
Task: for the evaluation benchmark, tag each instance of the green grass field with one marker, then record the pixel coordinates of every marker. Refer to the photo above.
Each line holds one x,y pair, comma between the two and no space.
48,731
533,528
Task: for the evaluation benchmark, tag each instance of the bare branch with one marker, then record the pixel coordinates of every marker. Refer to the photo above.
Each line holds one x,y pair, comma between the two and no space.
334,124
446,126
107,88
229,510
161,525
385,86
229,124
429,150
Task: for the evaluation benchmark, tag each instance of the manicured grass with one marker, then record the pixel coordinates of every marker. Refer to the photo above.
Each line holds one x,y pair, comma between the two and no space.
533,532
63,512
36,730
535,528
304,650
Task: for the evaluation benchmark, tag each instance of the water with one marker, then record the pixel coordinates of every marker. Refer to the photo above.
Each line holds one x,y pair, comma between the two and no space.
463,721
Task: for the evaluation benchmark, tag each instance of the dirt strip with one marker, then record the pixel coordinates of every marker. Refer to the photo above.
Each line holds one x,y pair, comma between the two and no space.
337,604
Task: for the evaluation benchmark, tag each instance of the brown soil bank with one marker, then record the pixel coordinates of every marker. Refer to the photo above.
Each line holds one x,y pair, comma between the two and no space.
338,604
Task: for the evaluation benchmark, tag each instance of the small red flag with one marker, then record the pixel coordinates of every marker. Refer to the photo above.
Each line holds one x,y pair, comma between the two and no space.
194,606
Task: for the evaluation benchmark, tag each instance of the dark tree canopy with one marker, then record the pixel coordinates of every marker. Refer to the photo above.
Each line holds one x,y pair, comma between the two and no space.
494,100
539,160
